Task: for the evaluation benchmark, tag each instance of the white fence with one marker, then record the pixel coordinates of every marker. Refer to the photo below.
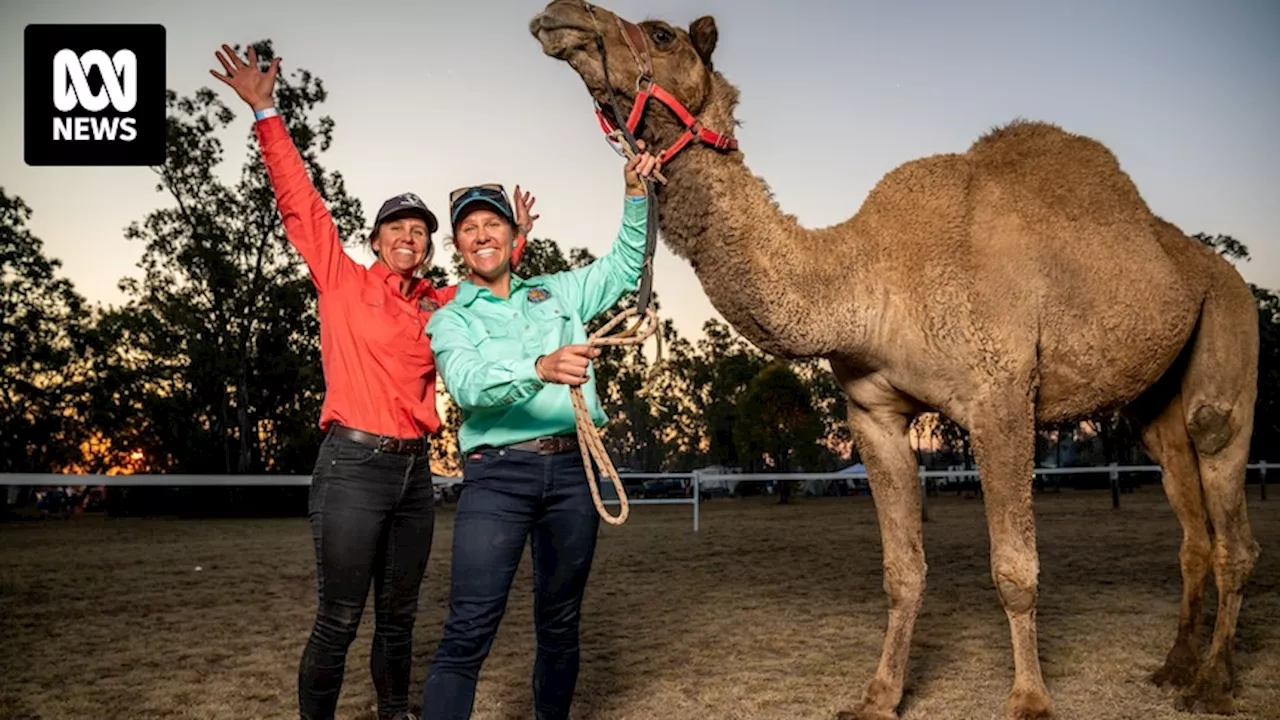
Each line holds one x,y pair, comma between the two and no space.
696,480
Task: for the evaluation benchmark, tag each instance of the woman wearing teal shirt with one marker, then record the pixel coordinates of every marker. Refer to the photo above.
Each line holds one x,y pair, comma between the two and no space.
507,349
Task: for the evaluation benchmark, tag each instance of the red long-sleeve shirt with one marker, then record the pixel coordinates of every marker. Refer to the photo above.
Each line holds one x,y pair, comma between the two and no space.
380,374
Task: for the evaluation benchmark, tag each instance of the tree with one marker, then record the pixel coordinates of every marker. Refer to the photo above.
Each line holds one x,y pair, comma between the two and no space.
219,344
719,372
777,428
1266,423
43,326
831,404
1225,245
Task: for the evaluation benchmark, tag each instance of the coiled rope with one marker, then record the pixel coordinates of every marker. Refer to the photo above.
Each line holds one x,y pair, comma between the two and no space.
589,441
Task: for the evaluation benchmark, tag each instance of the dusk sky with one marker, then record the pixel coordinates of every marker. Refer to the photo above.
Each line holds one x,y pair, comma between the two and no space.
429,96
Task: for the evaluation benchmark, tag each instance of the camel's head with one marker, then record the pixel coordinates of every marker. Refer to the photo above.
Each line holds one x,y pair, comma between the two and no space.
679,59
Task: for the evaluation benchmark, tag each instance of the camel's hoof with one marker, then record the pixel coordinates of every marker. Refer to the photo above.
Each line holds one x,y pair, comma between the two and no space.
877,703
1031,705
1211,692
1179,669
1203,698
865,713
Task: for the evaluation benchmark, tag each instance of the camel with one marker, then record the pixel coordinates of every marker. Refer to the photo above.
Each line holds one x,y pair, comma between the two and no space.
1023,281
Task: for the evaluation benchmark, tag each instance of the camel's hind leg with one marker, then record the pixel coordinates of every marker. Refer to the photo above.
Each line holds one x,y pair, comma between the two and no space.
1219,390
1164,434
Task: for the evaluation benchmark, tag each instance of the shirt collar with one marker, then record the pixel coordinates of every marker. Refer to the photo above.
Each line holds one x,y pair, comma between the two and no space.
469,291
421,287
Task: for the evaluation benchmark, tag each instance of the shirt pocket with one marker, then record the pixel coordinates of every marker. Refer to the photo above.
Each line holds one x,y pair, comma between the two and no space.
497,337
375,321
549,317
372,296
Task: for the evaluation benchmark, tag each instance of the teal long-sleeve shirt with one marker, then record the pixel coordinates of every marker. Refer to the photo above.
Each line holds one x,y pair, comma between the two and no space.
485,347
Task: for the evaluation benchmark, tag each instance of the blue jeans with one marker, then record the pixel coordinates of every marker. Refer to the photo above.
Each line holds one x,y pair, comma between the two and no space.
372,516
509,496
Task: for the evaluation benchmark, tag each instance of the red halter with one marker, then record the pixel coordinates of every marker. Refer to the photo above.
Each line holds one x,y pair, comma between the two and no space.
647,88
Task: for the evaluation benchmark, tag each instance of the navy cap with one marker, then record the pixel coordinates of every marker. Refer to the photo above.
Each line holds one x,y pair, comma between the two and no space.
408,202
492,195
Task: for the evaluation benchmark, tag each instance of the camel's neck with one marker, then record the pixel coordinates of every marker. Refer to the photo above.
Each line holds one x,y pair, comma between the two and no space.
770,278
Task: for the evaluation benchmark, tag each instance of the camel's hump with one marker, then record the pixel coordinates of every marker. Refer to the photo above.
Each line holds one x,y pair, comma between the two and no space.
1043,160
1042,143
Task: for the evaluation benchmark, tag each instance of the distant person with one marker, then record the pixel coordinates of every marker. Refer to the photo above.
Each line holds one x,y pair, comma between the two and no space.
508,349
372,505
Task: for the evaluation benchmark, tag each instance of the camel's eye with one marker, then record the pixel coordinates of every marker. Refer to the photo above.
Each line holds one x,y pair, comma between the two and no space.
661,35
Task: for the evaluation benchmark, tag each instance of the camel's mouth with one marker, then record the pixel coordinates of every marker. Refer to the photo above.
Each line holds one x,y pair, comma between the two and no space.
567,32
560,34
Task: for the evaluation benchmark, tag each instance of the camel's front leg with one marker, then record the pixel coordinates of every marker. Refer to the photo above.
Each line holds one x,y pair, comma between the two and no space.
1003,437
882,441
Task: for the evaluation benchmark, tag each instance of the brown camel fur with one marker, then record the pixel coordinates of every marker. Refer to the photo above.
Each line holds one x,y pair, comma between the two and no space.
1022,281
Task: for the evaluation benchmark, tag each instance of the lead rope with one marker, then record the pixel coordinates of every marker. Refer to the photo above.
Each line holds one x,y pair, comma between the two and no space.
589,441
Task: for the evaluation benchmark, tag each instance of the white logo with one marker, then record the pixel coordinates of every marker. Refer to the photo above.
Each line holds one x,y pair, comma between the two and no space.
71,90
119,80
411,199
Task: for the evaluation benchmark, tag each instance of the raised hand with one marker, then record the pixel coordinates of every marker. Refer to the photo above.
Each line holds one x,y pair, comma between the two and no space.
524,203
642,165
252,84
568,365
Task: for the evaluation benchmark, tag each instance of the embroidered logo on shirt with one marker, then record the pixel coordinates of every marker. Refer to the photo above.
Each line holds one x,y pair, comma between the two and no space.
428,305
537,295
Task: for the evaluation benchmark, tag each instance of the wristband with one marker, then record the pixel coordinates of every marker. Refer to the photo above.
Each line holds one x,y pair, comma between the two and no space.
264,113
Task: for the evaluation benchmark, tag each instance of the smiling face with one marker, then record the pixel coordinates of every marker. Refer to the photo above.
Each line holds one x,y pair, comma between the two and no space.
681,59
485,240
402,243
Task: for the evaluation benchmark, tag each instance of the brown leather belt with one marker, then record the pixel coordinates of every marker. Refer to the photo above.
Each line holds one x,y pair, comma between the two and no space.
547,445
385,443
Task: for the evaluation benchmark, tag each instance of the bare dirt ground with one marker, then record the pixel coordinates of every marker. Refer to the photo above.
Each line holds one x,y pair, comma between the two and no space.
771,612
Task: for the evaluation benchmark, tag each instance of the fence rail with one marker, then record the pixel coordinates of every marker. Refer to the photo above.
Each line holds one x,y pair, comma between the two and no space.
696,480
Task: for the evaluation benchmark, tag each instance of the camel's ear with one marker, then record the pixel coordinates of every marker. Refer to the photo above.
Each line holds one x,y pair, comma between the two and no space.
703,35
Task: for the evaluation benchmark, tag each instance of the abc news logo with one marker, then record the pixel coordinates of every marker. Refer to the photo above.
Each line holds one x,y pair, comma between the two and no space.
71,91
95,94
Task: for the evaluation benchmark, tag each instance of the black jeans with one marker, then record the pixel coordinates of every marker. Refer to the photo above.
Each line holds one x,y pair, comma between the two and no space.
372,517
509,496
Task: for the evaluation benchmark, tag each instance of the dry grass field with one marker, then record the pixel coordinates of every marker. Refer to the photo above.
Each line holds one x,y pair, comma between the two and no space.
771,612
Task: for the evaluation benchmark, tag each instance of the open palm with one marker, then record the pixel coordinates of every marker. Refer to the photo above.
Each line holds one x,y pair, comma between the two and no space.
251,83
524,206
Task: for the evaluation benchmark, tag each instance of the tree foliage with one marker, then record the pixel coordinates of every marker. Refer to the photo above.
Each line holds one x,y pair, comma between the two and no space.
777,428
44,327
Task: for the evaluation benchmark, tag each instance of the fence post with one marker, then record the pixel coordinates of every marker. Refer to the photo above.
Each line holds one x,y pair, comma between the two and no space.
1262,474
924,496
697,497
1115,486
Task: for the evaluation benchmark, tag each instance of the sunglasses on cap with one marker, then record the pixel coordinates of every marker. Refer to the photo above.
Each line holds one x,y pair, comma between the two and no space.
492,193
486,189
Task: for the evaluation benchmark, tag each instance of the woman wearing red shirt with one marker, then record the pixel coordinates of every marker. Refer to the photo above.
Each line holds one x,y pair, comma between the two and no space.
371,505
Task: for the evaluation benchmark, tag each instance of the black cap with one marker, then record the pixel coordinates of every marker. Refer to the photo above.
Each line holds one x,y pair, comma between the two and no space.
408,202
